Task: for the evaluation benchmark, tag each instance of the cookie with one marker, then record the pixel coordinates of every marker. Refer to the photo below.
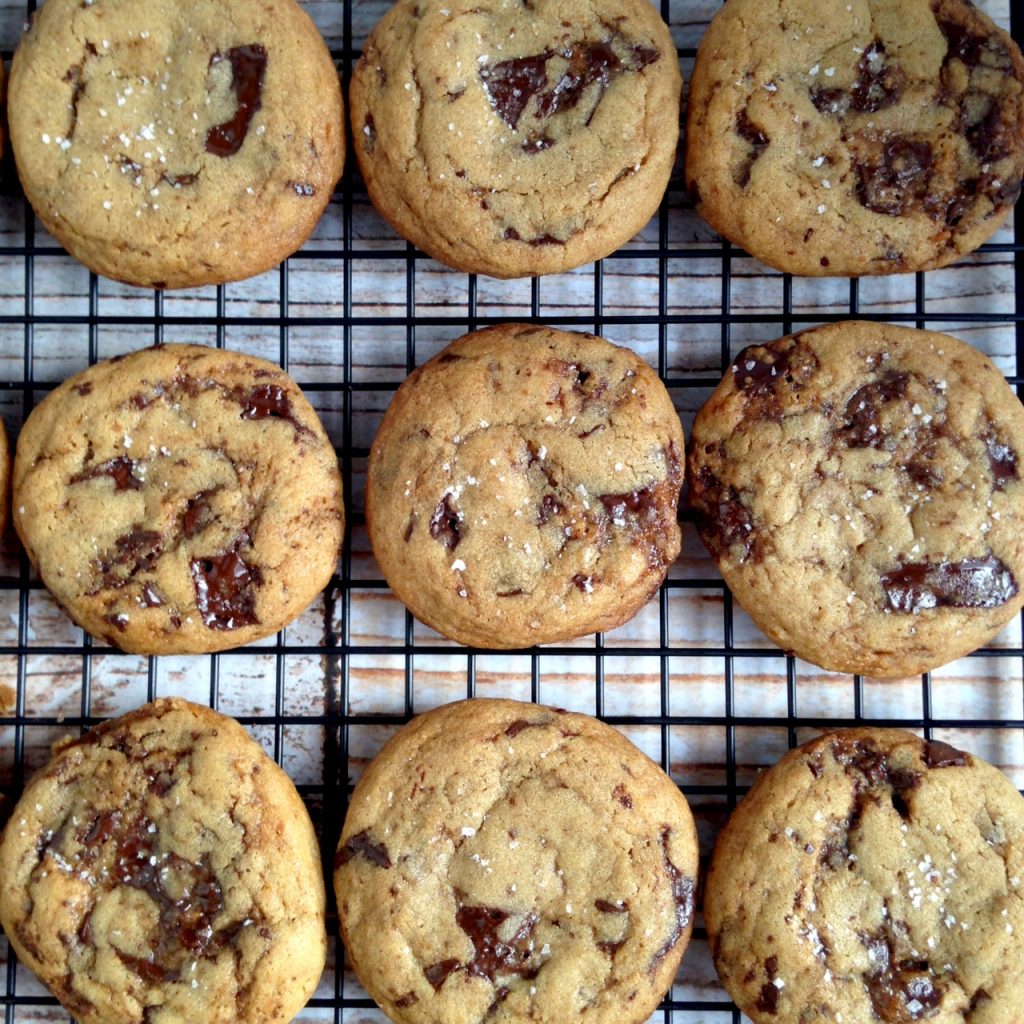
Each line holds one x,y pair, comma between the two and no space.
508,862
872,876
882,138
179,500
523,487
517,139
176,143
162,869
858,485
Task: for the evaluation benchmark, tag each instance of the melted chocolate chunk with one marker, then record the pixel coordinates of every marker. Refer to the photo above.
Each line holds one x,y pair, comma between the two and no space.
121,470
878,85
768,998
134,552
637,502
682,893
589,63
758,141
864,758
492,955
941,755
409,999
721,517
898,180
361,845
610,907
518,726
899,990
437,974
445,525
148,970
863,427
198,514
756,374
248,65
974,50
511,84
266,400
1002,460
225,588
99,831
990,136
972,583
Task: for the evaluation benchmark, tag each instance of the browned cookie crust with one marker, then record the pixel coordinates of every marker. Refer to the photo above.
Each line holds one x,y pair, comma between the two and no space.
871,876
163,870
523,487
174,143
878,137
505,862
514,139
179,499
859,486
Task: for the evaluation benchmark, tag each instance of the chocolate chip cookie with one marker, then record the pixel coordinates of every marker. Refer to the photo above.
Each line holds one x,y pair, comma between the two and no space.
511,862
872,876
163,869
179,500
174,143
880,138
523,487
517,139
859,486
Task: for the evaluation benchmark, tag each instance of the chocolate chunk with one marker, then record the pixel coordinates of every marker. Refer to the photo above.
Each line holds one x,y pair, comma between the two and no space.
768,999
682,893
863,426
938,754
266,400
409,999
148,970
83,389
721,517
878,85
990,136
445,525
972,583
643,55
612,907
121,470
511,84
549,506
492,955
198,514
864,757
925,474
180,180
974,50
747,130
1002,460
622,795
584,583
757,370
134,552
832,101
361,845
537,144
518,726
899,990
437,974
225,587
100,830
636,502
898,179
589,64
248,65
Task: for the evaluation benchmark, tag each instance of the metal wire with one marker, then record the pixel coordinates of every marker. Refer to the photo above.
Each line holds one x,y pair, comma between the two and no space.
662,265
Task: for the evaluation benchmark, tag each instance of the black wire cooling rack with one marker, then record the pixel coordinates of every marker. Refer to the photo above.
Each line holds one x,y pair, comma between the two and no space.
691,681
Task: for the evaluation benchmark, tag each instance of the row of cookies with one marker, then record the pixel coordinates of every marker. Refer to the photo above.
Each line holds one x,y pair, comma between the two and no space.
173,144
858,485
510,862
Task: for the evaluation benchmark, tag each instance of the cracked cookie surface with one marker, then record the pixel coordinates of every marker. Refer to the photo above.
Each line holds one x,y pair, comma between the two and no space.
885,138
872,876
860,487
523,487
180,499
162,870
517,137
505,862
175,143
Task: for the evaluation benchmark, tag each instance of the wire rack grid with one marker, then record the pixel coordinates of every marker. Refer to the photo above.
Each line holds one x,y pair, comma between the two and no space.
691,680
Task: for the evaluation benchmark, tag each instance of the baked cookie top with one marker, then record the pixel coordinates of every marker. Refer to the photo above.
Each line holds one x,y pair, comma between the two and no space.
523,487
163,869
505,861
884,137
180,499
513,139
872,876
173,143
858,485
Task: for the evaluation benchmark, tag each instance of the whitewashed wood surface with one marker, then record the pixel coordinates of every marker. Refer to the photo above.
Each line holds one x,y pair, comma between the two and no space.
247,684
